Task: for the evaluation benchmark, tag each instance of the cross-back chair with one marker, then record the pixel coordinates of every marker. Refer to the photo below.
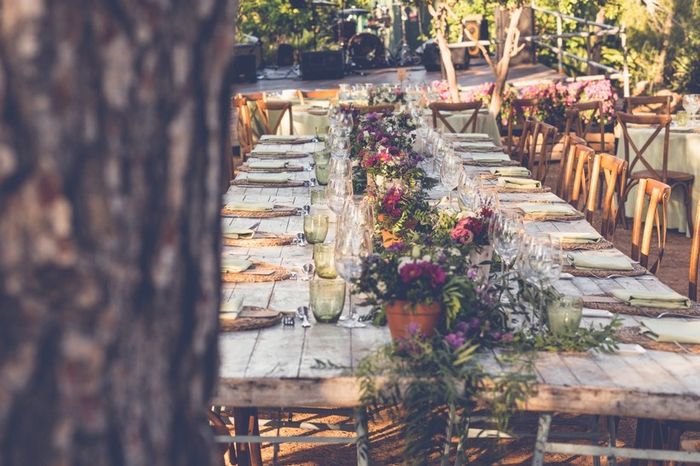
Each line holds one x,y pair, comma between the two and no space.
568,166
580,159
541,145
694,258
272,125
330,95
521,151
469,126
244,125
516,121
635,155
649,105
585,119
657,195
610,173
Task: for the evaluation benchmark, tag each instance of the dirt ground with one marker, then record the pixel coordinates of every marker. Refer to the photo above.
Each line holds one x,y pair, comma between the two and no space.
386,445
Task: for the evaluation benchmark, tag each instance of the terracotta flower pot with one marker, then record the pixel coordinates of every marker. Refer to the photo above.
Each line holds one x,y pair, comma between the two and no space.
389,238
401,315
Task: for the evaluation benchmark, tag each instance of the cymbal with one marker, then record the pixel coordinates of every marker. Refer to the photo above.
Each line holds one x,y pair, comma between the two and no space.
322,3
353,11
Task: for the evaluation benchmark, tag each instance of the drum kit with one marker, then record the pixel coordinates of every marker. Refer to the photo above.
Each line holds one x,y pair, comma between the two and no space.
364,34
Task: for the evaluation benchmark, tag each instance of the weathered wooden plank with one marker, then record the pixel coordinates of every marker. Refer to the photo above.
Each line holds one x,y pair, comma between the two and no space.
325,343
553,370
364,341
586,371
235,350
277,353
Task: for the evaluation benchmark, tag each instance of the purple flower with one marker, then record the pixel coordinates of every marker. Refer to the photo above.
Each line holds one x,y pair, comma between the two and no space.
455,340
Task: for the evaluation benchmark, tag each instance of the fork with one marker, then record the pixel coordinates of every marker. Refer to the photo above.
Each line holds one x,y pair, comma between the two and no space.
254,227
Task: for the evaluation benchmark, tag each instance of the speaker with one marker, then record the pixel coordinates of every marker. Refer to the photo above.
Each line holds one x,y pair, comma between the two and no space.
431,56
327,64
285,55
244,69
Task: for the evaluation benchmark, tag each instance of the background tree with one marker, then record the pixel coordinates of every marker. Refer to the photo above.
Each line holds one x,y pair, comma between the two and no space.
112,141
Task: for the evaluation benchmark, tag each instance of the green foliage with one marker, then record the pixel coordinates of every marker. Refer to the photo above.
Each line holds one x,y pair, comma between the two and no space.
599,339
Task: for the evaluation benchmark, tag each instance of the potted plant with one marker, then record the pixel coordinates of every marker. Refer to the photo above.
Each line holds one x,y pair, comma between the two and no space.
419,290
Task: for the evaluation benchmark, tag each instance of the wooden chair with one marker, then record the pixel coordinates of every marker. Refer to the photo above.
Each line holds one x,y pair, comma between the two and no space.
330,95
541,145
675,179
521,151
657,194
244,125
469,126
577,189
649,105
283,107
694,258
584,119
568,166
516,121
612,171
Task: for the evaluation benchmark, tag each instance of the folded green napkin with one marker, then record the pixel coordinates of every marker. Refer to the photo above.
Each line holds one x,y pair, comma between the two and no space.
662,299
600,261
517,183
477,145
250,206
268,150
234,265
510,171
236,233
262,164
467,136
546,209
491,158
679,331
267,178
281,139
575,237
231,308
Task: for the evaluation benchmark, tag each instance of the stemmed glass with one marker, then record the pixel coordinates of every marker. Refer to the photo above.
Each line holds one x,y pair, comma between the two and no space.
353,242
506,233
339,186
340,147
468,190
540,263
450,171
691,103
345,123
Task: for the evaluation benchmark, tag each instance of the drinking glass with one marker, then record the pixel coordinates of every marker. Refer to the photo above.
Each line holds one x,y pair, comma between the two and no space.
322,172
315,228
506,233
353,242
345,123
341,147
339,188
318,195
450,171
327,299
564,314
691,103
324,254
467,190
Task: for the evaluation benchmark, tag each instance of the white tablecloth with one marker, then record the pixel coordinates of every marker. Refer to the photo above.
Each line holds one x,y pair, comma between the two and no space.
683,155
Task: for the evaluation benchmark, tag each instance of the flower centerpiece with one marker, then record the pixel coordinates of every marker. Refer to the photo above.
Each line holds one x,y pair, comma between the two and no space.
401,212
386,94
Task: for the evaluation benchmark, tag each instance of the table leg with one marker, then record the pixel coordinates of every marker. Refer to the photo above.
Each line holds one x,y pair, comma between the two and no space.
362,431
245,421
544,424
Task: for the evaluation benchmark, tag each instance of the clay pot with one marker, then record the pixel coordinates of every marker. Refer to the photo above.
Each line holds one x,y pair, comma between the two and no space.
401,314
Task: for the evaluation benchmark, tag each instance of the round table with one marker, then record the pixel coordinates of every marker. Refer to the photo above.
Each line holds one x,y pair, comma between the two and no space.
683,155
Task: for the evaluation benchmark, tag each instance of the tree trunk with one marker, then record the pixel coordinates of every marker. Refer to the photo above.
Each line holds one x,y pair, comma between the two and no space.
510,49
596,42
112,142
447,66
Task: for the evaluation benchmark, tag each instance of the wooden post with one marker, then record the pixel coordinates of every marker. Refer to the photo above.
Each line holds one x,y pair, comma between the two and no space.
560,45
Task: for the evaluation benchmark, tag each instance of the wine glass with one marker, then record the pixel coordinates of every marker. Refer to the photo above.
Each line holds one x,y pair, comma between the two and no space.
467,190
691,102
339,189
340,147
506,233
353,242
450,171
345,123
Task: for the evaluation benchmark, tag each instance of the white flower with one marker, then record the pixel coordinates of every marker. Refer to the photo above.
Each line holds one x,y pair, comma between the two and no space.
381,286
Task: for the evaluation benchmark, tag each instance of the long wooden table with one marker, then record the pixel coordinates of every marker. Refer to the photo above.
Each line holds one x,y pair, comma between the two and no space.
279,366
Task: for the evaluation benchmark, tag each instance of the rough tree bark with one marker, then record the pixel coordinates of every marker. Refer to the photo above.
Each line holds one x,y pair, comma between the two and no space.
112,142
439,14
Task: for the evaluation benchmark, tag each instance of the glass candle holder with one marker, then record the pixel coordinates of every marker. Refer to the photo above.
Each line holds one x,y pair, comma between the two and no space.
324,260
327,299
564,314
318,195
315,228
323,156
322,173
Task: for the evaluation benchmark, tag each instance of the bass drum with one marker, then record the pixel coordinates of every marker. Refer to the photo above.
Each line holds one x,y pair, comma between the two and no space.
344,30
366,50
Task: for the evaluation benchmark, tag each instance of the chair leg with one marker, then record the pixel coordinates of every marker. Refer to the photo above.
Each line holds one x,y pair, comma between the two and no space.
246,423
544,424
362,431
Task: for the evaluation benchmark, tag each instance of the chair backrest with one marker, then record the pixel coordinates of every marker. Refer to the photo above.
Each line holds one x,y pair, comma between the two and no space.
517,118
568,165
694,257
244,125
660,123
469,126
283,107
657,195
541,145
583,119
521,151
319,94
580,160
649,105
612,171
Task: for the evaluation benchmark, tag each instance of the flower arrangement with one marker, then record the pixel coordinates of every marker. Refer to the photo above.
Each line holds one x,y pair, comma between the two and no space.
402,212
441,88
473,229
386,94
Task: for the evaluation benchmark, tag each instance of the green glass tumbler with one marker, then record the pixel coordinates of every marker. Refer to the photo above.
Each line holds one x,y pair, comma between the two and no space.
315,228
324,261
564,314
318,196
327,299
322,173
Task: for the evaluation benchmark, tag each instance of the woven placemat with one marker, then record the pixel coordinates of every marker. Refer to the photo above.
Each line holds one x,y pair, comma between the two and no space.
500,163
632,335
602,244
553,218
247,184
609,303
278,211
277,273
290,168
279,155
260,240
247,320
637,270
